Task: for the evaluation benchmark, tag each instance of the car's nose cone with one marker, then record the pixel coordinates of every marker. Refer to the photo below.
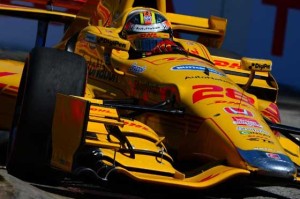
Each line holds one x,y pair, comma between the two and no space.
270,164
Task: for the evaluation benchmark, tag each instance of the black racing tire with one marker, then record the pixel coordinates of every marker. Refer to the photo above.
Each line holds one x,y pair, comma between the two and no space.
47,71
4,135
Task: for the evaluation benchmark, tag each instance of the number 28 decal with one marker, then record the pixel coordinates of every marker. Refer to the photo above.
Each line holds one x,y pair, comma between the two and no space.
211,91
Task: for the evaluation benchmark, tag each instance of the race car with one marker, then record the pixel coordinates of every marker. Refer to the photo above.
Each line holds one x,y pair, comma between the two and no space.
123,94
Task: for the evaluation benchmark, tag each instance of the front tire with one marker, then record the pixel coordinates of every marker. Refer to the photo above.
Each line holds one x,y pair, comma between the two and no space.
47,71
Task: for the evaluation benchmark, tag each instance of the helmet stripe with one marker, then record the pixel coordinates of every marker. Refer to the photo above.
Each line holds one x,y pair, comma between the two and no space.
142,18
153,18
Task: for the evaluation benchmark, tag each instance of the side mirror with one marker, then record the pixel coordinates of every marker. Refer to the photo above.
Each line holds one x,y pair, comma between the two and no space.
262,65
107,37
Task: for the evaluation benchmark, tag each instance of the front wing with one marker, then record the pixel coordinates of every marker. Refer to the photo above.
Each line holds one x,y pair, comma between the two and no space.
138,154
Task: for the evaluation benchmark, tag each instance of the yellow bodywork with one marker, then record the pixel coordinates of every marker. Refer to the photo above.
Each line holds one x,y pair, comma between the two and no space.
10,75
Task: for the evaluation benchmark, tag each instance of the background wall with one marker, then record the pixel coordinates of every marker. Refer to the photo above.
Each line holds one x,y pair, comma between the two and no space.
251,30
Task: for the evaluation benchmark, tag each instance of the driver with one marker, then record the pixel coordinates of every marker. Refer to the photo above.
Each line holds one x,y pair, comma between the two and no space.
149,33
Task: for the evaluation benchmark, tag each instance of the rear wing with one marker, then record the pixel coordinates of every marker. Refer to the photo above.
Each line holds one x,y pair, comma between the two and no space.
33,13
211,31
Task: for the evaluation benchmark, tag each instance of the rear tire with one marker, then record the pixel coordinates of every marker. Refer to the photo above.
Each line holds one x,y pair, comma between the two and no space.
47,71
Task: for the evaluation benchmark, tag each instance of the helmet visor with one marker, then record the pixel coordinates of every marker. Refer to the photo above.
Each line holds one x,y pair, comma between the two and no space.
146,42
145,45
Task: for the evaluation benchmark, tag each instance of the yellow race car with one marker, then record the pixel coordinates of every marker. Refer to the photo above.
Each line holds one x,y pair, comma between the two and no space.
123,94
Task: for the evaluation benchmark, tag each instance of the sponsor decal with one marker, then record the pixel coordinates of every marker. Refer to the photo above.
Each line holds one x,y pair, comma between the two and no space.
252,130
103,41
137,69
228,102
254,137
132,124
260,66
148,28
148,19
100,110
263,149
273,156
246,121
206,70
110,42
98,70
238,111
148,35
206,77
222,63
252,134
245,132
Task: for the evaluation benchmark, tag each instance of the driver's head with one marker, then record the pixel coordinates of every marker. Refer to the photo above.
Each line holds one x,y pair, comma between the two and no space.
144,28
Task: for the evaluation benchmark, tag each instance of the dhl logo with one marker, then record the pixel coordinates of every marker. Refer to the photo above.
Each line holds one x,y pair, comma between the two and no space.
149,35
132,124
229,64
100,110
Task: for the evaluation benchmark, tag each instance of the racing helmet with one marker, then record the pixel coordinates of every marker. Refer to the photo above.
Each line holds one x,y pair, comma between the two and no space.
145,28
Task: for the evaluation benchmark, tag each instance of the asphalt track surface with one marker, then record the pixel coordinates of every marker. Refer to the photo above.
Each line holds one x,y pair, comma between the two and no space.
69,188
